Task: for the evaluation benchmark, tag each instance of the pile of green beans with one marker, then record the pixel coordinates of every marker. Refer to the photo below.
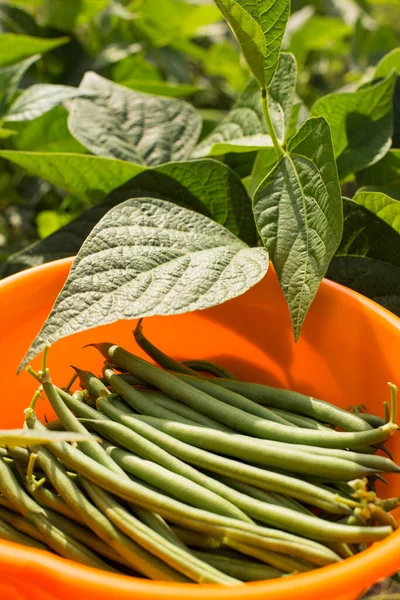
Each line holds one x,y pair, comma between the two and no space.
184,473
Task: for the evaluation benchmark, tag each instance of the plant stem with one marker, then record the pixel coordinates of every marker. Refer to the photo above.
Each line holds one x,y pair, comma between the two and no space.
267,117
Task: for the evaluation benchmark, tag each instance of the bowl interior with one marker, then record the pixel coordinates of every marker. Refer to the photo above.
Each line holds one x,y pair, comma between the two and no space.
348,350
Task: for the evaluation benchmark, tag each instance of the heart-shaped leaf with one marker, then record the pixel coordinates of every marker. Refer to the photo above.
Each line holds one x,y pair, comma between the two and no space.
132,126
224,199
298,212
150,257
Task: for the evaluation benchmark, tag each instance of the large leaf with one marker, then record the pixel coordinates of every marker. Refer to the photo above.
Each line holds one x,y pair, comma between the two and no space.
224,199
384,176
368,258
15,47
384,68
298,212
361,124
249,34
244,128
48,133
87,177
318,33
39,99
375,279
131,126
10,78
150,257
161,88
382,205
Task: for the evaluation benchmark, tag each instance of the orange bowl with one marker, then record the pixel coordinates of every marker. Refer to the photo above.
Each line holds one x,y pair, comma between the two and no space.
348,350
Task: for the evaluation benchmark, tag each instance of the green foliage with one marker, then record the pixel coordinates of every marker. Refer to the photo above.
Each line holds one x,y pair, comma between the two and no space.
96,119
199,262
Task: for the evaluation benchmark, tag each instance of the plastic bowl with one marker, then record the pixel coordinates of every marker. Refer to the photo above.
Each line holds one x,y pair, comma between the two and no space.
348,350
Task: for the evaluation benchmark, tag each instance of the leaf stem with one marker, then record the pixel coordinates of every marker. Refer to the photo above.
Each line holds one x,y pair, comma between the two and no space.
268,121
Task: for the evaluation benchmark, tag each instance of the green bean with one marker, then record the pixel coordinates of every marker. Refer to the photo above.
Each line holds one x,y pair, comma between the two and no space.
157,524
177,558
158,455
156,354
193,538
296,402
137,557
263,496
138,494
205,366
237,418
22,525
177,486
91,383
244,569
268,480
284,563
254,451
98,453
372,420
9,533
141,401
128,378
301,420
59,541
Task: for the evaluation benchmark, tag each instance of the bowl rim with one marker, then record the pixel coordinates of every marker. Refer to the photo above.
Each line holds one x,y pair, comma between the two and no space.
379,560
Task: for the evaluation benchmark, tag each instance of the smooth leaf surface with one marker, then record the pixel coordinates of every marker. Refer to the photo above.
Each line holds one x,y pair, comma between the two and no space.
249,34
132,126
298,213
15,47
161,88
382,205
48,133
368,258
386,65
10,78
39,99
150,257
244,129
87,177
376,280
223,199
361,124
384,176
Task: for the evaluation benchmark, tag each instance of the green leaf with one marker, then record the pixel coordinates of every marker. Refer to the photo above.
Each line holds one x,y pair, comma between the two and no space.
250,36
39,99
150,257
272,16
222,60
49,221
376,280
386,65
265,161
59,14
384,176
382,205
10,78
298,213
361,124
223,199
131,126
319,34
244,128
6,133
368,258
48,133
87,177
15,47
161,88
